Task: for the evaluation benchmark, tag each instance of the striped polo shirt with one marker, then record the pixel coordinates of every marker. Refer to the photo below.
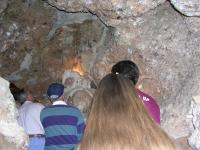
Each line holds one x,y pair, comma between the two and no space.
63,125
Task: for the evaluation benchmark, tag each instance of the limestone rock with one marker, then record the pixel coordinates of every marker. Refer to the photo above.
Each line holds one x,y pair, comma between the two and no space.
187,7
78,90
73,81
196,99
10,131
194,139
182,143
3,5
5,145
112,11
42,42
82,99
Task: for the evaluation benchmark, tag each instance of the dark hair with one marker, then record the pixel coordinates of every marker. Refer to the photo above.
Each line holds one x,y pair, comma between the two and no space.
20,96
128,69
14,88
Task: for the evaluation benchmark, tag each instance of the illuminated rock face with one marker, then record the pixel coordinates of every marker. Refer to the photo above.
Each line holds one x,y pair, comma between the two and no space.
12,136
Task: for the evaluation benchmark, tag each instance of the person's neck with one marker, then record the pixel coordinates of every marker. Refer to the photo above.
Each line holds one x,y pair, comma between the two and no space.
28,100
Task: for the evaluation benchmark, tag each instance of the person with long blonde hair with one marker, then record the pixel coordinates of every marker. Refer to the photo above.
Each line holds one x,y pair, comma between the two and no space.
119,121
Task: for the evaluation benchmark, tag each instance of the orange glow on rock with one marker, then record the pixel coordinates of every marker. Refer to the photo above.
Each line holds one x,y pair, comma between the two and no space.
74,64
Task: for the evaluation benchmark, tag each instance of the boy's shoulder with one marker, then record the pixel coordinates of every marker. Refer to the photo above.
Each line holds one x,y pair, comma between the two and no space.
60,106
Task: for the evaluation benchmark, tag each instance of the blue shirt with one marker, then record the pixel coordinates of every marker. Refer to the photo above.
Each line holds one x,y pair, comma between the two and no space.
63,125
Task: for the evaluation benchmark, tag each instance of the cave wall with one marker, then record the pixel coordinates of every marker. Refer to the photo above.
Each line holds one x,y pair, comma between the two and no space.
40,39
12,136
163,42
165,45
38,42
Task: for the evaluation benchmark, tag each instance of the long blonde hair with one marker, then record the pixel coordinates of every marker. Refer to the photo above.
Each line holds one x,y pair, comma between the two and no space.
119,121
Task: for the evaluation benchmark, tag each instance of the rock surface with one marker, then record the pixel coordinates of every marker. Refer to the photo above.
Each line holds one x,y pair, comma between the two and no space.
78,90
187,7
40,42
3,5
195,111
110,12
12,136
194,138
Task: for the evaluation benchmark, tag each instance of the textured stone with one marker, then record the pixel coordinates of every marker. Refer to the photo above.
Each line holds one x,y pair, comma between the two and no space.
82,99
110,12
41,43
3,5
194,138
78,90
23,27
73,82
10,131
182,143
163,37
187,7
5,145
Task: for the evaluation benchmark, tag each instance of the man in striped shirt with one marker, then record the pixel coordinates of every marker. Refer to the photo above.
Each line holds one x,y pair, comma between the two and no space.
63,124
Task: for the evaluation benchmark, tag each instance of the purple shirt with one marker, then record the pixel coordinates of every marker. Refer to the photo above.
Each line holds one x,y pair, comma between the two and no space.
150,105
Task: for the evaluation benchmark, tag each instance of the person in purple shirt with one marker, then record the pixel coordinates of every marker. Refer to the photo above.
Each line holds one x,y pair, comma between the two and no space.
130,70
